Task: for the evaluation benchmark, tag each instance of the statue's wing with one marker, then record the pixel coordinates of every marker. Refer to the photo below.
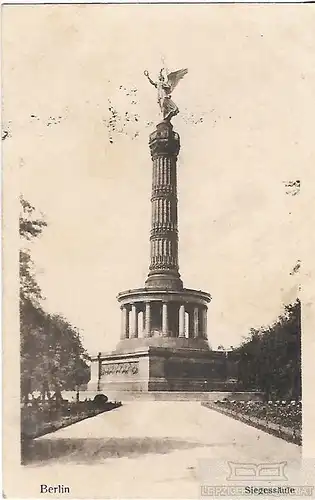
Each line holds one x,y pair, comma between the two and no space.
175,76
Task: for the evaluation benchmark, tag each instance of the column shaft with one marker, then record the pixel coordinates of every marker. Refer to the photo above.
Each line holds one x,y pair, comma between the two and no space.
164,319
204,323
181,319
124,312
164,146
147,319
196,322
134,322
190,323
127,322
143,325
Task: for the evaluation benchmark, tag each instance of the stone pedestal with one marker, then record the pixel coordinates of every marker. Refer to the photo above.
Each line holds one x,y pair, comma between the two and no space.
150,369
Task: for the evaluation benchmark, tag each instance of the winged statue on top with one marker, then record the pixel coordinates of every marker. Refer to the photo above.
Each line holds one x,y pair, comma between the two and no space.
165,85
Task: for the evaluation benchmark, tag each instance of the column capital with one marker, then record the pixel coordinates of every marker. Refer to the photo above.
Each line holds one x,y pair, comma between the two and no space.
164,141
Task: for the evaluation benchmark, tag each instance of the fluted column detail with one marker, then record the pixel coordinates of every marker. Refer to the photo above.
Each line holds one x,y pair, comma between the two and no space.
164,147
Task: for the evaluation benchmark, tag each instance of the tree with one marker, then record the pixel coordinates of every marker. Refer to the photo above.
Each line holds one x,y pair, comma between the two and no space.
31,226
270,359
31,313
51,348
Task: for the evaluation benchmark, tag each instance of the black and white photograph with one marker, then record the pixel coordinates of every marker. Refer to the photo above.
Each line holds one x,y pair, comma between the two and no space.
154,161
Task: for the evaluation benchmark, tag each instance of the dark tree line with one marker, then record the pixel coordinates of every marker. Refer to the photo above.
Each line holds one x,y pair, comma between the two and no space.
52,355
270,359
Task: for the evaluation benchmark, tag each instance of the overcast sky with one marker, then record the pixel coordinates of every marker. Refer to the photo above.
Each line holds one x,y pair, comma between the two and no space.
245,106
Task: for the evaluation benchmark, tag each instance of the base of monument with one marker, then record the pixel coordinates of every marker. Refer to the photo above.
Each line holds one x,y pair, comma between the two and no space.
158,369
181,395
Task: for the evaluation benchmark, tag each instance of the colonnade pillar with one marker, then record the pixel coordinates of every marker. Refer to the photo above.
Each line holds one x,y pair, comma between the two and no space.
147,316
164,319
196,322
124,322
134,322
204,322
181,321
197,327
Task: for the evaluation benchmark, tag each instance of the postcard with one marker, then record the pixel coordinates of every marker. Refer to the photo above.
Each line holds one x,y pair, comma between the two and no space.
157,164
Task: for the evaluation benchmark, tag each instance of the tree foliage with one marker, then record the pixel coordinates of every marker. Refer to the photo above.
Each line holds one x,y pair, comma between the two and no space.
52,355
31,226
270,359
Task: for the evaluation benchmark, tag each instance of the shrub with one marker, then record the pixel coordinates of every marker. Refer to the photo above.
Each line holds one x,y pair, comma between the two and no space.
100,400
